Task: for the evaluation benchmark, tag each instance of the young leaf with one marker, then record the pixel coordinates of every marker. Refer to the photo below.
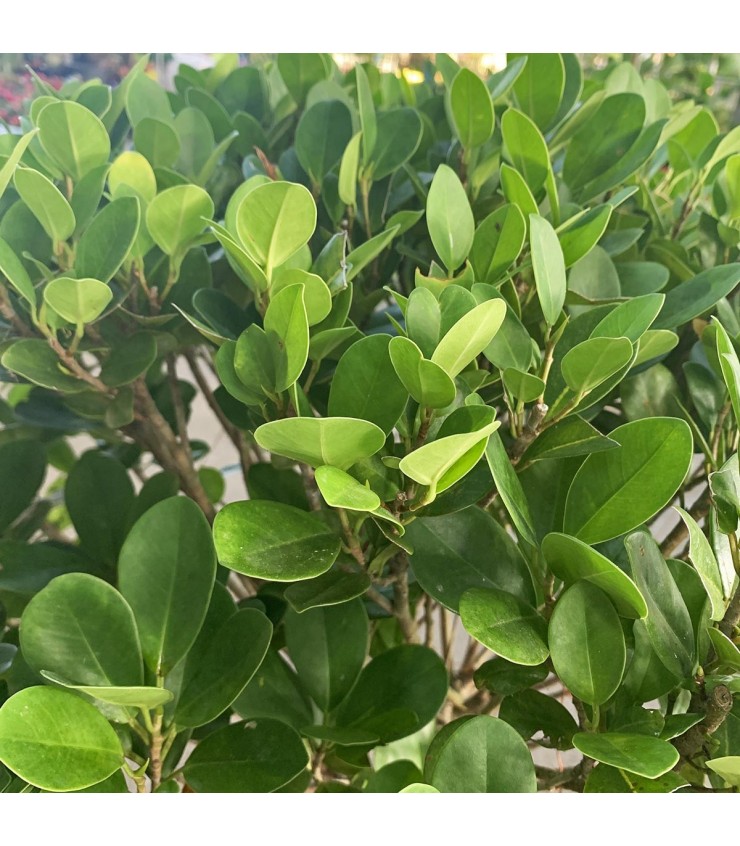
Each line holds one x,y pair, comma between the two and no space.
56,741
286,318
549,268
449,218
426,381
340,490
469,336
705,564
526,148
74,137
177,216
471,108
593,361
79,301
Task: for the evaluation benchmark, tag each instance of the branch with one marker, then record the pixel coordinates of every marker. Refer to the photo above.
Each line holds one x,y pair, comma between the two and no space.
718,706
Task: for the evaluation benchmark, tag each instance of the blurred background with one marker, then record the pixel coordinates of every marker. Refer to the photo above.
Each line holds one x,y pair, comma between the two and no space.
703,77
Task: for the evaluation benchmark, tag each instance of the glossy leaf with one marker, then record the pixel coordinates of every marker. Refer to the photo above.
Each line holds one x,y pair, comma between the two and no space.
472,109
449,218
74,137
469,336
641,754
270,540
615,491
549,268
79,301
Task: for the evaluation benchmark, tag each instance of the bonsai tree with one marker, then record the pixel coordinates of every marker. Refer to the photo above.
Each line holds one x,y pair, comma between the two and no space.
474,346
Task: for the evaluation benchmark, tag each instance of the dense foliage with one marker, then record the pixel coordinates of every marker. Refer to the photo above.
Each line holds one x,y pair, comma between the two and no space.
470,340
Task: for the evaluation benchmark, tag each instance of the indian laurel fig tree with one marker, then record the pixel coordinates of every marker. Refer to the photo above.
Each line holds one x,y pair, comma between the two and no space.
463,354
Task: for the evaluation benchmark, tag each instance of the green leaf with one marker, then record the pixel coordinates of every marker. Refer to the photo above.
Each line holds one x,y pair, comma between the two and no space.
99,497
274,221
727,768
316,293
539,86
259,756
572,560
79,301
108,240
35,360
11,267
270,540
549,268
340,490
526,148
570,437
593,361
399,133
525,387
175,217
516,191
157,141
397,693
705,564
603,138
725,486
368,119
636,753
81,629
147,98
74,137
46,202
365,384
322,134
426,381
22,470
630,319
606,779
510,488
360,257
301,71
615,491
501,676
331,588
8,168
530,711
469,336
668,624
223,659
166,572
348,170
449,218
339,441
728,655
581,236
441,463
129,359
730,366
506,625
696,296
57,741
471,108
418,787
327,646
124,697
586,643
467,549
497,243
465,758
286,318
131,175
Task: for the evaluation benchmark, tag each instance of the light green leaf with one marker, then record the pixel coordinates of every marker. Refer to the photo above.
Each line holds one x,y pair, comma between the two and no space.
526,148
449,218
728,768
340,490
593,361
175,217
441,463
77,300
517,192
525,387
286,317
549,268
637,753
498,242
74,137
469,336
274,221
124,697
471,108
46,202
12,268
348,170
368,120
339,441
426,381
56,741
510,488
705,564
8,168
730,366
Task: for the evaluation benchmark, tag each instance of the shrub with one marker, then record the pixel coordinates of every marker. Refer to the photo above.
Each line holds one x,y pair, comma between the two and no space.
469,340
